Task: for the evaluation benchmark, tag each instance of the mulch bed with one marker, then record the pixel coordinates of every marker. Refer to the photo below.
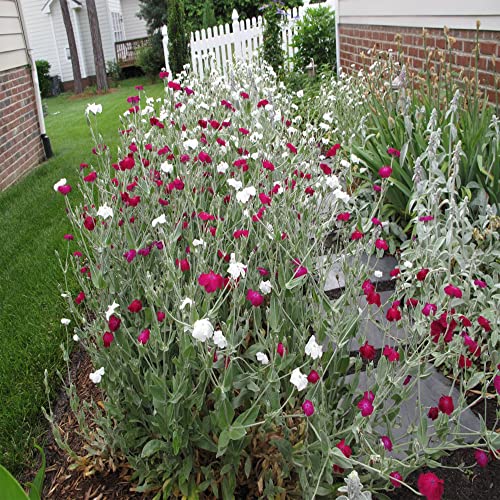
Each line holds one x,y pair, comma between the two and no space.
113,482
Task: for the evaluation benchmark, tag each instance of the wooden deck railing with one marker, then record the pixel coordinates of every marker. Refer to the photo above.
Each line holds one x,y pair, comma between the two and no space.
126,51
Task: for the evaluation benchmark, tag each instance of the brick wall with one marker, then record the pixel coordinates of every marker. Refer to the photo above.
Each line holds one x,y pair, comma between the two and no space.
21,147
355,39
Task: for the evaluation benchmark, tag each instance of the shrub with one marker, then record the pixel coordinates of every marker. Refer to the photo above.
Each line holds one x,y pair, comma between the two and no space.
202,303
208,14
43,70
114,70
150,57
177,40
315,39
272,50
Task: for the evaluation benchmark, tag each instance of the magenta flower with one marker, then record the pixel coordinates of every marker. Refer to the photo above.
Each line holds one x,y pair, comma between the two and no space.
369,396
263,271
89,223
204,216
160,316
356,235
430,486
446,404
300,271
394,152
211,281
433,412
130,255
396,477
496,383
280,349
80,298
385,172
144,336
391,354
241,233
107,338
292,148
481,458
377,188
313,377
64,190
135,306
308,408
393,314
484,323
426,218
332,151
114,323
422,274
429,309
267,165
366,407
204,157
381,244
90,177
480,283
367,352
183,265
453,291
386,442
376,222
344,216
69,237
255,298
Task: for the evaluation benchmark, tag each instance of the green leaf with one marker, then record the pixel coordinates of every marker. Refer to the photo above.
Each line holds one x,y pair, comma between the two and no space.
223,442
237,433
340,459
152,447
37,484
248,417
9,487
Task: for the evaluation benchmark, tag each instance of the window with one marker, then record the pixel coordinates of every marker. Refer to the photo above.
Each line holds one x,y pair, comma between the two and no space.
118,28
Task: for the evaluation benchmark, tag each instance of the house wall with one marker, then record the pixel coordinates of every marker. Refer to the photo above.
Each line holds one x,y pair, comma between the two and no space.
367,27
134,27
39,33
21,147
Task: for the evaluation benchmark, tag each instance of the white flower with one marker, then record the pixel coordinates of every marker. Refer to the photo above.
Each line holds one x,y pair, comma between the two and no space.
166,167
105,211
159,220
190,144
235,183
344,163
65,321
222,167
96,376
64,295
200,242
219,339
262,358
76,338
236,269
245,194
280,188
408,264
265,287
354,158
298,379
59,184
186,302
341,195
202,330
378,274
300,94
332,181
111,310
93,108
313,349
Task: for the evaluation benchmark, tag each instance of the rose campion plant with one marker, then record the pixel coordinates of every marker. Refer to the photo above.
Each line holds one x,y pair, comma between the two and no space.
204,363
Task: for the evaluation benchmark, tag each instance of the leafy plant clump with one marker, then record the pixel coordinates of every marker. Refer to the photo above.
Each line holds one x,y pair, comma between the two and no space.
43,70
202,257
315,39
177,38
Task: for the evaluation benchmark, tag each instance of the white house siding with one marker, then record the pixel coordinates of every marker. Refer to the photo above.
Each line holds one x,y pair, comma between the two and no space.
39,34
12,46
134,27
459,14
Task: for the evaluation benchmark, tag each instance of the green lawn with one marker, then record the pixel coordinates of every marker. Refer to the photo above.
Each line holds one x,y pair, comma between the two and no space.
32,226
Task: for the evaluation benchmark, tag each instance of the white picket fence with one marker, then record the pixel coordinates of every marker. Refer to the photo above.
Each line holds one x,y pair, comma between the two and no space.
219,46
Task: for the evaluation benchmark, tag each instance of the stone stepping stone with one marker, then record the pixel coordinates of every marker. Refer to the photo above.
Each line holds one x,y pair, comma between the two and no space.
431,389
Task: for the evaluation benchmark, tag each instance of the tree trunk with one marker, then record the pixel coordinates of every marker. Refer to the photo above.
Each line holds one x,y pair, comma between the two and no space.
75,62
95,33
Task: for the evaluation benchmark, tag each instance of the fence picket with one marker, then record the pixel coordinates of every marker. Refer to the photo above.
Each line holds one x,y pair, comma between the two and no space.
218,46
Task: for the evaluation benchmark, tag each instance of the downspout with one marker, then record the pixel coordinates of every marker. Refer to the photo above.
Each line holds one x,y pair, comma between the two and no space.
337,36
38,99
